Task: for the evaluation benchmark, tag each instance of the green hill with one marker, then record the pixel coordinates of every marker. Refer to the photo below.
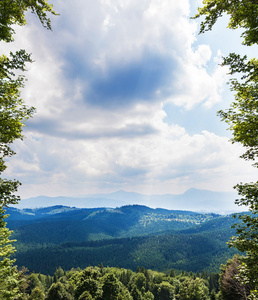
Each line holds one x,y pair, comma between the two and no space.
61,224
128,236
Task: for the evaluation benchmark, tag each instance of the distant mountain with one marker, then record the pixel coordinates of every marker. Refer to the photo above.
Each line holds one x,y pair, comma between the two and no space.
193,199
128,236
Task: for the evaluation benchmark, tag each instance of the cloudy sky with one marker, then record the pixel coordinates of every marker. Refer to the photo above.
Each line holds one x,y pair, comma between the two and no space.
126,94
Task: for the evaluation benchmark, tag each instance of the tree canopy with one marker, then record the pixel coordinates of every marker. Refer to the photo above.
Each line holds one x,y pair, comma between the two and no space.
242,14
13,114
13,111
242,118
13,13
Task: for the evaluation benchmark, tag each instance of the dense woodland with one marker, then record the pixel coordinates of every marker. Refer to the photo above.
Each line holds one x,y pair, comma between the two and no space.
137,253
115,283
181,252
128,236
119,283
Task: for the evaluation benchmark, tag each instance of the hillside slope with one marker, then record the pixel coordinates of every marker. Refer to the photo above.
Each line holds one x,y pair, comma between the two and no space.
60,224
178,249
128,236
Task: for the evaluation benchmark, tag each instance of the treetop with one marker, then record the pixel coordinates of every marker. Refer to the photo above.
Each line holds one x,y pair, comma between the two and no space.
13,12
243,14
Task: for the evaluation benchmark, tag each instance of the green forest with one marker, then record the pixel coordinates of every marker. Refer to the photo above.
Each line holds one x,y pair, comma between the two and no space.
128,236
118,283
130,252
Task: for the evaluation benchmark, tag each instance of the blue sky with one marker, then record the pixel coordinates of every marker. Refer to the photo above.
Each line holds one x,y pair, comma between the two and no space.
126,95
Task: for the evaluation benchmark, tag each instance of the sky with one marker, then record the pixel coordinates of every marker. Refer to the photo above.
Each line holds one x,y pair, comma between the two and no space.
126,94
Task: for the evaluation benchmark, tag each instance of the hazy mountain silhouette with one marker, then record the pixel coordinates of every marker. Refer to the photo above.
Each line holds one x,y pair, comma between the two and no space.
192,199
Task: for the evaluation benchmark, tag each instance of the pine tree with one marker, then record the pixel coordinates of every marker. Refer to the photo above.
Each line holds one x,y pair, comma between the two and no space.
9,277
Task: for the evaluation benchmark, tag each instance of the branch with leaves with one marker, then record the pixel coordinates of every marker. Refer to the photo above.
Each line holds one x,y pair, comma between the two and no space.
242,118
13,114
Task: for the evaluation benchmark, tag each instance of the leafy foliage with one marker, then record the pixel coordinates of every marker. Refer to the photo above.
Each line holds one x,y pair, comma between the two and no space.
194,289
243,14
9,277
123,284
242,116
230,285
243,121
13,114
13,13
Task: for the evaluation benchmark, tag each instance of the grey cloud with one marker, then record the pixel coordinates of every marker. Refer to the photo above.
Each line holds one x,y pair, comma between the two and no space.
54,128
149,78
140,80
130,172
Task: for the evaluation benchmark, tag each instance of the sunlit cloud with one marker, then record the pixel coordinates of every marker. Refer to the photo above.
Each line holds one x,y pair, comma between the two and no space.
100,82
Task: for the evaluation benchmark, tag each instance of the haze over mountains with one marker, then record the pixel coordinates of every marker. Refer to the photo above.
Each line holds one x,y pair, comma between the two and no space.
193,199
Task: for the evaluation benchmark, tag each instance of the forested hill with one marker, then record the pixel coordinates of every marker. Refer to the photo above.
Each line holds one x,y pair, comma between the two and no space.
128,236
61,224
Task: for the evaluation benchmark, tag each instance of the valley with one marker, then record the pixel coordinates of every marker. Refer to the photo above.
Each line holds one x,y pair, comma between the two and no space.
127,236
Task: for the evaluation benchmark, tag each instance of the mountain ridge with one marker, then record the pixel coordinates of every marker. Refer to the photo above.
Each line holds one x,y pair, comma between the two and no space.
127,236
192,199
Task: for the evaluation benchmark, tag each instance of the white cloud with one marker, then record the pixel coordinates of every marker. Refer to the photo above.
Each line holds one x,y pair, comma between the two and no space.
99,83
170,156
